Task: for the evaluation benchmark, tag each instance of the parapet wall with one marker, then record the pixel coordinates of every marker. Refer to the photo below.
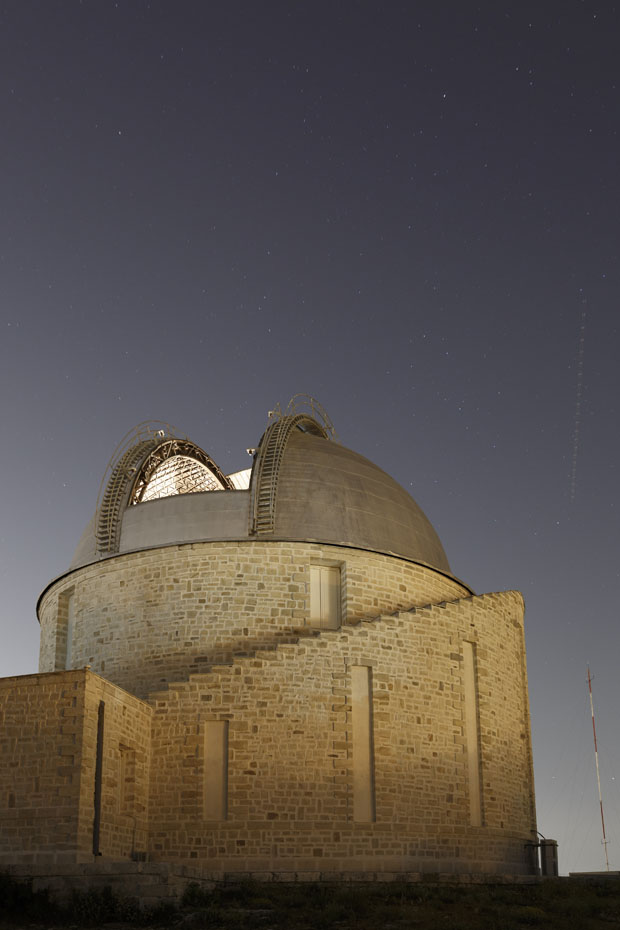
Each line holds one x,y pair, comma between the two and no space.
146,618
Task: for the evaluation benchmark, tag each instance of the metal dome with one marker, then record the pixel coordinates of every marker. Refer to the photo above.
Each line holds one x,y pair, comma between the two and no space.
161,490
306,487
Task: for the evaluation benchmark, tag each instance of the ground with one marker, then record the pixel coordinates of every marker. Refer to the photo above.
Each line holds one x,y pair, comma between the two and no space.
564,904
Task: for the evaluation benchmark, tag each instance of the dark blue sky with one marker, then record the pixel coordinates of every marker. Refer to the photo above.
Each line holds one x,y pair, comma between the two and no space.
403,209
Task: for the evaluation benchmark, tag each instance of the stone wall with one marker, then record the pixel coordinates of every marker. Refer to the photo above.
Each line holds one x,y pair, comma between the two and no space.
48,751
125,771
40,760
292,760
145,618
281,764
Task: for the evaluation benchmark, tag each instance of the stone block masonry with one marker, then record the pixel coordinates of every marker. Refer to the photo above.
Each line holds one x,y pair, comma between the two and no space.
292,777
251,767
180,609
48,734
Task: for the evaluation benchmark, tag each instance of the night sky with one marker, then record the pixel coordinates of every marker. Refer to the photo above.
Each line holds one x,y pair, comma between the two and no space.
407,210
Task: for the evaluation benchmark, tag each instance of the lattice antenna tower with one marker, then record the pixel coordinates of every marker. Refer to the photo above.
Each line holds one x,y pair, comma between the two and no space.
604,841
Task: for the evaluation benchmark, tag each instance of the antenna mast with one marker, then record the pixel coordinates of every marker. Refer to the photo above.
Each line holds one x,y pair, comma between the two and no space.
598,777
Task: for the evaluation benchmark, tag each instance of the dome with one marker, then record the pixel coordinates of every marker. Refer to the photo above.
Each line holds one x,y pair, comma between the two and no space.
330,494
163,490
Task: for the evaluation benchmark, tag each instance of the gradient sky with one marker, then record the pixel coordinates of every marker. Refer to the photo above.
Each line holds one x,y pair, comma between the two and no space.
408,210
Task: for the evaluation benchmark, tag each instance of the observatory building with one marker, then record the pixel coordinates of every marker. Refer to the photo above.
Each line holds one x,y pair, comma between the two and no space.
272,673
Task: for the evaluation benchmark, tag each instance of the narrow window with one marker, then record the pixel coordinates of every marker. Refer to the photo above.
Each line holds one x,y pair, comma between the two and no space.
70,625
215,796
472,734
126,779
325,596
363,745
64,630
98,778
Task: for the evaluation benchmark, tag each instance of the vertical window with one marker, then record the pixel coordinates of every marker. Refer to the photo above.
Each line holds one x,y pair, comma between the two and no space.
215,796
64,630
472,734
363,745
126,779
98,778
325,596
70,625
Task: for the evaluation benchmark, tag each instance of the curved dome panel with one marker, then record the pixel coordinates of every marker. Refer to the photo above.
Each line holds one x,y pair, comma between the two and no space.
153,468
331,494
267,468
176,467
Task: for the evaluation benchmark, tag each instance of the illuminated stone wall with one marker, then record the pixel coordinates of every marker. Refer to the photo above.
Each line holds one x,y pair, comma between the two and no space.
48,751
144,618
294,767
348,752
